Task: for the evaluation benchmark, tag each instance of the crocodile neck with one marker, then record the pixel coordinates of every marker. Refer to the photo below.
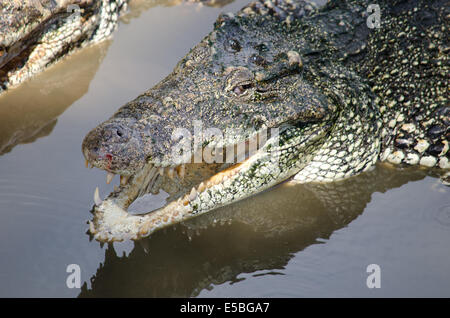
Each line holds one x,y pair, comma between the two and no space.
405,62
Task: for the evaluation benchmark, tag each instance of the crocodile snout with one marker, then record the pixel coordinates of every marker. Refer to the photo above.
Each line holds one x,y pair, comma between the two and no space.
107,145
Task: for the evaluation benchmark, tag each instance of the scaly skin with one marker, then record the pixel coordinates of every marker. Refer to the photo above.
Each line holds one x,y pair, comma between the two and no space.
341,95
36,34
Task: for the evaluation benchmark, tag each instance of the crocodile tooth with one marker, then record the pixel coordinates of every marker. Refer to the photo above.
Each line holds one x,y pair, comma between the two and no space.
86,163
177,171
193,194
109,177
201,187
181,171
116,188
91,227
123,180
161,171
145,246
170,172
217,179
97,199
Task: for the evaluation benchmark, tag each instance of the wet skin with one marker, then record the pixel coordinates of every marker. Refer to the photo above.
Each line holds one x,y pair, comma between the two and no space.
323,82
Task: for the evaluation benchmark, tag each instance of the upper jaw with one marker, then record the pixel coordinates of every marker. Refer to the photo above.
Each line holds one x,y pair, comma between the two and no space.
170,170
167,166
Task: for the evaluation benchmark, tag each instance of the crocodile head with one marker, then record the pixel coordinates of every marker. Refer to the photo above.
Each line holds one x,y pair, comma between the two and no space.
230,83
247,81
35,34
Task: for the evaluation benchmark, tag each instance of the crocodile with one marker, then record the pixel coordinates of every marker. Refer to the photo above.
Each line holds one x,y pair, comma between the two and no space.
324,93
35,34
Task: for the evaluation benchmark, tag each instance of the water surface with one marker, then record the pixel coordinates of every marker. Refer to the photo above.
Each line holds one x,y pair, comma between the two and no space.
293,241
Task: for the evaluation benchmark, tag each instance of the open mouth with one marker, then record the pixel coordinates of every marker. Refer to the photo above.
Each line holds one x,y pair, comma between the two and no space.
112,222
275,161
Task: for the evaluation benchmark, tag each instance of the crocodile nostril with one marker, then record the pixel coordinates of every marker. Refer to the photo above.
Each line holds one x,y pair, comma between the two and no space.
114,134
121,133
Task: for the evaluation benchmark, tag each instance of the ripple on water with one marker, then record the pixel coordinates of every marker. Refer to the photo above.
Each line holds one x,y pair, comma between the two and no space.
441,215
439,212
44,198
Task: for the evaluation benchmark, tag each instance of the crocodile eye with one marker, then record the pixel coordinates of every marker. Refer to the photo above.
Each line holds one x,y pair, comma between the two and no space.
239,90
238,80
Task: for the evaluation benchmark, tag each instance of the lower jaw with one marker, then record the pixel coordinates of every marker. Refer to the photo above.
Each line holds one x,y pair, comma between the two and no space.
112,222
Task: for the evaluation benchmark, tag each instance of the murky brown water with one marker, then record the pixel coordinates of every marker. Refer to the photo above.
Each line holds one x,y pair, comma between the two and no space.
293,241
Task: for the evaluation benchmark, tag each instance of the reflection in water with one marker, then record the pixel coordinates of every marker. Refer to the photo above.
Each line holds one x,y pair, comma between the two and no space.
260,233
31,110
